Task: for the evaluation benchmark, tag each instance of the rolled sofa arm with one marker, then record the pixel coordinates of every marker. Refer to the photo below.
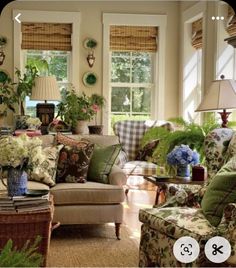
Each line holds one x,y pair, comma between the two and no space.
117,176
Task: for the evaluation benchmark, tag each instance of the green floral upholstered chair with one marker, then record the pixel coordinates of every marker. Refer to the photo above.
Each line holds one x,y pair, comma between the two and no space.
209,212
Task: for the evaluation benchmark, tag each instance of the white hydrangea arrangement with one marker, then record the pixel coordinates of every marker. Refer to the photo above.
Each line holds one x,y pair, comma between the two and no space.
33,122
20,152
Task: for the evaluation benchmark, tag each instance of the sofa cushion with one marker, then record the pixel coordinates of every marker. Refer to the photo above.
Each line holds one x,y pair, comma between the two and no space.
220,192
31,185
45,172
141,168
73,163
73,142
87,193
176,222
102,162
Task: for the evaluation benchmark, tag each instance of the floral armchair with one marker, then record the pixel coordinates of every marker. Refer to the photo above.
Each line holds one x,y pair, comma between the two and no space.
182,214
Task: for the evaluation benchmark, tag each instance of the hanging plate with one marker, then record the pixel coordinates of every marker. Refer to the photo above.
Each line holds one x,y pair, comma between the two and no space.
89,79
90,43
3,76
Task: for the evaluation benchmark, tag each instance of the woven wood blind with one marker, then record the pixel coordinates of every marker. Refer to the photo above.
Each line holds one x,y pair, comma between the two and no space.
197,34
231,22
46,36
133,38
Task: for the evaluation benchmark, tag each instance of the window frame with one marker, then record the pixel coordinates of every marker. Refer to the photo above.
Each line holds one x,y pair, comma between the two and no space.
49,17
132,85
159,21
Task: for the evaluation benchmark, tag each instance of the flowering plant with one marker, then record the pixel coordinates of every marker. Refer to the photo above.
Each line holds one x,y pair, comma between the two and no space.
33,121
182,155
74,107
20,152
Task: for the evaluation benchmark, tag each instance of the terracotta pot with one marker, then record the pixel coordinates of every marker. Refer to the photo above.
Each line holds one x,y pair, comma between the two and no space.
81,127
96,129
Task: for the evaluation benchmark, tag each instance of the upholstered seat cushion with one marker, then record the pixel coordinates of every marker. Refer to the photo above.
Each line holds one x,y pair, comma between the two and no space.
141,168
176,222
87,193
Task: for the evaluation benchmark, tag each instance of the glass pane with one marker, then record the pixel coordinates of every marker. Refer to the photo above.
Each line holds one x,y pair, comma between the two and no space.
58,67
120,71
141,100
142,68
120,99
120,54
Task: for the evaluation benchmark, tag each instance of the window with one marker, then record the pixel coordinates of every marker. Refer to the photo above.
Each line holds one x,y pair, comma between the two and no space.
58,65
133,50
192,67
131,85
124,38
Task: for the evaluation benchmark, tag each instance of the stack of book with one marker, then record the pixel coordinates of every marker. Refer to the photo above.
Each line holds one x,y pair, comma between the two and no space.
24,203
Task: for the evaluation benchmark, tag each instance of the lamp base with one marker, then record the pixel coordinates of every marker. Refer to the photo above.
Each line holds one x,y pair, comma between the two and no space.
224,117
45,112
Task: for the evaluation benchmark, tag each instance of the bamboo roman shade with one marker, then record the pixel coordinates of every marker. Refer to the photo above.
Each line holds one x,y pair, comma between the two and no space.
46,36
231,22
133,38
197,34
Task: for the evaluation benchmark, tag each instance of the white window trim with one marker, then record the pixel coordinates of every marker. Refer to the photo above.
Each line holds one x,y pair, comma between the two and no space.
50,17
190,15
159,74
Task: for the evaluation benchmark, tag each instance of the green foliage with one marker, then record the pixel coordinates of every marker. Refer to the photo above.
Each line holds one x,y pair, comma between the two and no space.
11,93
190,134
25,257
24,85
75,107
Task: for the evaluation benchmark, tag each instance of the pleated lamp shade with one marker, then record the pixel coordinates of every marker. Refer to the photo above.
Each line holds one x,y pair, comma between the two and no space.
45,88
220,95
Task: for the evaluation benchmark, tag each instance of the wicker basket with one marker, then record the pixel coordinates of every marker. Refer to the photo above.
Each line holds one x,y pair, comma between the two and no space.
24,226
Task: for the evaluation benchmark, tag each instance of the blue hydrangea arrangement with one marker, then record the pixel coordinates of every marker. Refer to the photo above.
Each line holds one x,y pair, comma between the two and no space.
182,155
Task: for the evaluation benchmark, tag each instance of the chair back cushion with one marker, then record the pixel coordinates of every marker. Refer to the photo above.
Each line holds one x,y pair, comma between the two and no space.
130,133
215,147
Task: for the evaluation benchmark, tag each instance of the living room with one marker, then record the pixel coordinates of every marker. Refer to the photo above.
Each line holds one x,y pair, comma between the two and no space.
143,60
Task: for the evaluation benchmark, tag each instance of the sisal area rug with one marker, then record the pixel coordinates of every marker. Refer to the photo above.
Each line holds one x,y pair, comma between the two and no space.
92,246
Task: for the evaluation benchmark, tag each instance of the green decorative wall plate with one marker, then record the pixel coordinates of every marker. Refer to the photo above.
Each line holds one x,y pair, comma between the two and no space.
3,76
90,43
89,79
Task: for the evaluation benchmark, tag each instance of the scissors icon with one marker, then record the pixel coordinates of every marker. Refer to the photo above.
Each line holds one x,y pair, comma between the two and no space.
217,249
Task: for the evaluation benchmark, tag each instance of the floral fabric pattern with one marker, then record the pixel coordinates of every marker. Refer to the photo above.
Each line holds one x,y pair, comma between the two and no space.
182,215
73,163
215,147
45,172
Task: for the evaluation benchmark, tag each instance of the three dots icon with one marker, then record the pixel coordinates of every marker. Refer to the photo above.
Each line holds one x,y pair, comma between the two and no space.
217,18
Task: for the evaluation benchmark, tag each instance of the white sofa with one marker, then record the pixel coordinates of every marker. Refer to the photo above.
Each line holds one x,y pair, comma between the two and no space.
90,202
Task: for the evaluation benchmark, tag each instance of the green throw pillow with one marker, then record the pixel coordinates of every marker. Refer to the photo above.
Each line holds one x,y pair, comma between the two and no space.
220,192
101,163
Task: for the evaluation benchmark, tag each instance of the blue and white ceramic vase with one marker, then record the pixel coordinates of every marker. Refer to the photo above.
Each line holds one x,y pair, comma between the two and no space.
16,182
183,172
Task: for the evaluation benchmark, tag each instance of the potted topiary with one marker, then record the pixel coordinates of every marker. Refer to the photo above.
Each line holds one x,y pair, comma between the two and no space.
97,102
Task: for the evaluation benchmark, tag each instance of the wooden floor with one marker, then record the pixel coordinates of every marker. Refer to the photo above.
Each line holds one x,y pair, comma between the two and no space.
135,200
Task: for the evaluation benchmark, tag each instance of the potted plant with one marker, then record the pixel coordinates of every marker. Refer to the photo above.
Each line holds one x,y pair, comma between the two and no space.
76,110
97,102
18,155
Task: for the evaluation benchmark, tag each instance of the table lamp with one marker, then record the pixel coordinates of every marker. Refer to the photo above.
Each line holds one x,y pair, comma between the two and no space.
220,96
45,88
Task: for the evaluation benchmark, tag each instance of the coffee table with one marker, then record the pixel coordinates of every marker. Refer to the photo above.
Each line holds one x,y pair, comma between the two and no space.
161,183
